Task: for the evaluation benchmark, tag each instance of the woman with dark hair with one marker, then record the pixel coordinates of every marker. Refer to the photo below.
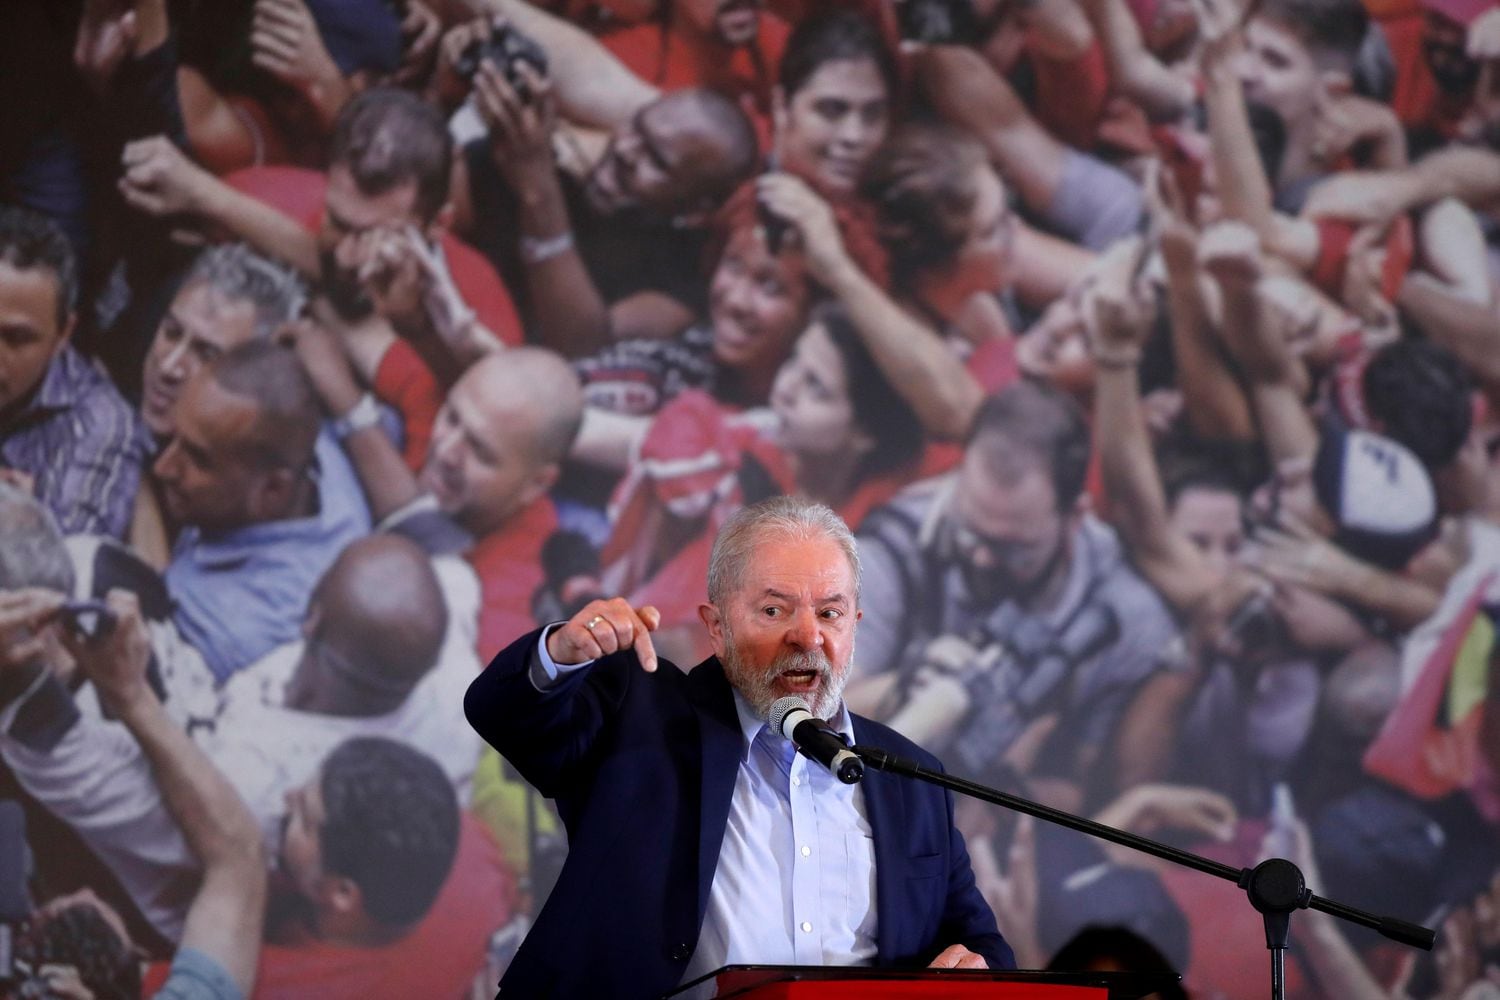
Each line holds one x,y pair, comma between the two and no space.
832,106
850,440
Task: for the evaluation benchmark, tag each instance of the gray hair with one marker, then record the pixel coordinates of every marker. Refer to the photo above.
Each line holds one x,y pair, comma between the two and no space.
32,553
787,516
237,272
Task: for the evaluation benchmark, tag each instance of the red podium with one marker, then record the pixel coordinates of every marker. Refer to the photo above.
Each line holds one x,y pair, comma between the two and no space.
801,982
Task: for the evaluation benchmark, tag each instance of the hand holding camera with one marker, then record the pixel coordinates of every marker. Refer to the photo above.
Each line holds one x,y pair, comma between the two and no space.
513,95
116,660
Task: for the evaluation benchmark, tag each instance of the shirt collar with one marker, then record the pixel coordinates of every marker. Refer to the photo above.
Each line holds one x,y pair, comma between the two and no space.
752,724
63,384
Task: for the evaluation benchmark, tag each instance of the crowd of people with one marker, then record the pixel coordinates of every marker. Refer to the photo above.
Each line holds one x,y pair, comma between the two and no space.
1150,347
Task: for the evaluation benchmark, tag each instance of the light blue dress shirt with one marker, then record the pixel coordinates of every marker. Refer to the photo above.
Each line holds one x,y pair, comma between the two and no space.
239,595
795,882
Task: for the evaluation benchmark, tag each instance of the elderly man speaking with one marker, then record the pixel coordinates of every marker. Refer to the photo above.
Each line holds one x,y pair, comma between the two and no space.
698,837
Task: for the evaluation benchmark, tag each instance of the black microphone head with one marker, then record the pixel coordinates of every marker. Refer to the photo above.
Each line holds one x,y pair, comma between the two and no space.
783,707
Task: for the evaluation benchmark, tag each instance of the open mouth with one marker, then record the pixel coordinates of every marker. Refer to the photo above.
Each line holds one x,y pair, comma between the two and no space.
800,680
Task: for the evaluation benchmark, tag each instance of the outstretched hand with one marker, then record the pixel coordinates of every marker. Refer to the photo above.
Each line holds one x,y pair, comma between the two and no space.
603,627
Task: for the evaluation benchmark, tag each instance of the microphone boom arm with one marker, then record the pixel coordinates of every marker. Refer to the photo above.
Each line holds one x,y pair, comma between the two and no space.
1275,886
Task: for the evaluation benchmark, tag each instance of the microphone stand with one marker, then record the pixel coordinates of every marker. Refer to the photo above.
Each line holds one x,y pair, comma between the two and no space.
1275,886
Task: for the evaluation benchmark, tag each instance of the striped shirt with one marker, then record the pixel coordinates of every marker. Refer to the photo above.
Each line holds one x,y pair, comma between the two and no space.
82,444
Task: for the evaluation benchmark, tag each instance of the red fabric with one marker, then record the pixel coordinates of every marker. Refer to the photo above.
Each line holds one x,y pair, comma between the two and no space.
873,493
508,563
688,460
994,364
1416,98
675,58
945,291
917,989
404,381
1415,751
274,146
298,193
1334,238
1071,95
439,958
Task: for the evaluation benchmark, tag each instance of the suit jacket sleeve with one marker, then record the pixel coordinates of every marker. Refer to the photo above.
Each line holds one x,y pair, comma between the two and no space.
549,736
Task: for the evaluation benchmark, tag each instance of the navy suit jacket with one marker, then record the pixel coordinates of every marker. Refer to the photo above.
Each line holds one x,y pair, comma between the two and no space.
643,769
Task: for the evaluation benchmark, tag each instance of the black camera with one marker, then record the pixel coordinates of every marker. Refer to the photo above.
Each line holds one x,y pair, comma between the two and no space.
507,48
938,22
88,620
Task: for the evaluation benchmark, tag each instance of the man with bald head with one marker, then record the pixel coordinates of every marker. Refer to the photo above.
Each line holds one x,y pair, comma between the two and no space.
373,628
379,655
241,475
497,448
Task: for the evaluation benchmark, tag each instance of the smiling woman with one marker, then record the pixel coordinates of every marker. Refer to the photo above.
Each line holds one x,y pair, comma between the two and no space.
833,104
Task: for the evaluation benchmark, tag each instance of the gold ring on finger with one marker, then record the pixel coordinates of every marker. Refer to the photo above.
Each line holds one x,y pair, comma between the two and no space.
592,622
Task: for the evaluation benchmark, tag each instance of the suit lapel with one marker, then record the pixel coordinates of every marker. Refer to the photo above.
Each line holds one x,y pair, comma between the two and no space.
885,807
721,745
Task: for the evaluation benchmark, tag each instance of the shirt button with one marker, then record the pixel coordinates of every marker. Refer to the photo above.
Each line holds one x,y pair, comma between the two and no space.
806,927
806,851
796,781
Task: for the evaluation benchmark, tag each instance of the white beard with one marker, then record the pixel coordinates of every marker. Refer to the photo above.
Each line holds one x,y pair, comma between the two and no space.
758,685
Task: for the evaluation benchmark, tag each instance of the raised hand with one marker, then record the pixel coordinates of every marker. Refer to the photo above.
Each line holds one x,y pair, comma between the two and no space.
1148,808
421,30
1218,25
451,85
117,661
1342,122
790,199
603,627
160,180
23,615
384,262
521,125
1117,313
106,36
326,363
1013,893
1230,253
285,42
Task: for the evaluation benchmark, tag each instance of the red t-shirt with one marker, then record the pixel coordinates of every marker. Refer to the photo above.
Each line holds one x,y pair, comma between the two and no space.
438,958
674,59
508,563
1416,98
1071,95
298,193
404,381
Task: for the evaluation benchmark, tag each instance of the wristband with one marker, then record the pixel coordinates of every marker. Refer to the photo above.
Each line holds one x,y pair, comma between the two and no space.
365,413
536,250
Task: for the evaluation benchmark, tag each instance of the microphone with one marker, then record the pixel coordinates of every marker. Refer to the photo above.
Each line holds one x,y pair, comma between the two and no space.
815,739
